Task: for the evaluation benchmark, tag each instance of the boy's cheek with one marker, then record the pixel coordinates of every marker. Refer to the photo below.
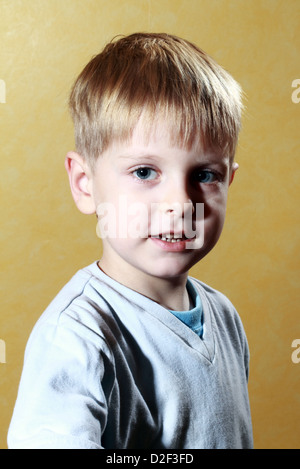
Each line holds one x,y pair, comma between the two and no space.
213,226
122,220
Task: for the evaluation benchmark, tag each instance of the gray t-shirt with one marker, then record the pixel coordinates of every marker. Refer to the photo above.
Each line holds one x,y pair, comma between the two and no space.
106,367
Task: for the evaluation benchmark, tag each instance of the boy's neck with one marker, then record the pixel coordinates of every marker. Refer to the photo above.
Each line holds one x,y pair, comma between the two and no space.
169,293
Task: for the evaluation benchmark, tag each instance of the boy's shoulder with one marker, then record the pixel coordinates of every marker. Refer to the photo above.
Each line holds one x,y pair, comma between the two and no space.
75,308
71,297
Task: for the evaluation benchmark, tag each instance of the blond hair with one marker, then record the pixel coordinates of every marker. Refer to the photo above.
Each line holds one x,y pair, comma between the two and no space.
161,76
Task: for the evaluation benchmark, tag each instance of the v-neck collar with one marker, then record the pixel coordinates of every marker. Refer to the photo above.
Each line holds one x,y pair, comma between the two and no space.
192,318
205,346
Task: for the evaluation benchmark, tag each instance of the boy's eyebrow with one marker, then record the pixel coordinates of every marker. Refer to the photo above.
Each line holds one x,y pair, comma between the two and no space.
201,160
221,161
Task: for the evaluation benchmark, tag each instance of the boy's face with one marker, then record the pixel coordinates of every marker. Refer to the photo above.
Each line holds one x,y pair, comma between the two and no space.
161,208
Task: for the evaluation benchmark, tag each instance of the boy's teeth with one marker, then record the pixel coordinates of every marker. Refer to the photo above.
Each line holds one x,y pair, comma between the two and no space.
170,239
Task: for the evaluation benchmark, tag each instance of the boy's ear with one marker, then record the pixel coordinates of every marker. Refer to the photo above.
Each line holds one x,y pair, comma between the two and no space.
80,178
234,169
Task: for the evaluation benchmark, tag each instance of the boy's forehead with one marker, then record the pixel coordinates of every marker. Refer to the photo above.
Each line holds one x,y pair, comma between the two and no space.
160,133
156,143
153,143
156,138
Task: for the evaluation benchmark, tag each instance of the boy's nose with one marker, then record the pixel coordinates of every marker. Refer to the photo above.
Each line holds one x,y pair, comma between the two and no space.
177,201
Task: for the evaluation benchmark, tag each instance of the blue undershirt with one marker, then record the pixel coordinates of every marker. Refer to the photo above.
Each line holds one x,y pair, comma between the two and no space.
194,317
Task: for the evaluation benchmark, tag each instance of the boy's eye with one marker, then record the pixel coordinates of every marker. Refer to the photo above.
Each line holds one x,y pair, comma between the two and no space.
205,176
145,173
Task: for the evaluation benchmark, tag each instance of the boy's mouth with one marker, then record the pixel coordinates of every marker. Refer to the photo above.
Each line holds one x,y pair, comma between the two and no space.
172,237
174,242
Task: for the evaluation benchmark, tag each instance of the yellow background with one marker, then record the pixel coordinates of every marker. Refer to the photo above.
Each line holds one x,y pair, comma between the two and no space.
44,240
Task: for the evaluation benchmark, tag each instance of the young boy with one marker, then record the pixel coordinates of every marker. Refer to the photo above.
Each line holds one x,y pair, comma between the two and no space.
133,353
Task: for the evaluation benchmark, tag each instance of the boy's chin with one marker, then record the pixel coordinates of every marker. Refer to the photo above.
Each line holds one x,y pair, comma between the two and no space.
172,270
169,270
